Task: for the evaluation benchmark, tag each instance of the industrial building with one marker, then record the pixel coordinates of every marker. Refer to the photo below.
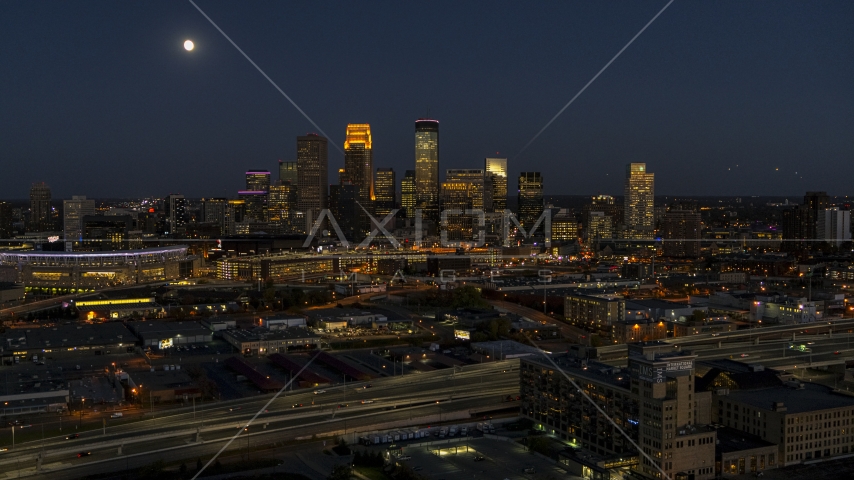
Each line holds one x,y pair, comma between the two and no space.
170,334
653,403
261,341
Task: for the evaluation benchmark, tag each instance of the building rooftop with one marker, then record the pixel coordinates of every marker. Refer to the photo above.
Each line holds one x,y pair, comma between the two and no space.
732,440
811,398
67,336
258,333
592,370
151,329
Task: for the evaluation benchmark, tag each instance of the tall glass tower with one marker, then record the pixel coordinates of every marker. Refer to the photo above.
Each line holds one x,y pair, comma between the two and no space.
639,202
497,169
312,180
359,161
407,194
530,198
427,167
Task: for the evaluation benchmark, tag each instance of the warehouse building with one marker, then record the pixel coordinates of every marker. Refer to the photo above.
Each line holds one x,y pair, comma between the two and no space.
170,334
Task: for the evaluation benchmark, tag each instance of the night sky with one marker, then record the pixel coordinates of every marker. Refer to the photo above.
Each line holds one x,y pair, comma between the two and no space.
719,98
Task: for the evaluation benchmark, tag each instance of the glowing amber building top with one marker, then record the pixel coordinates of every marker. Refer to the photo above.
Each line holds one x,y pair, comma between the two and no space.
358,159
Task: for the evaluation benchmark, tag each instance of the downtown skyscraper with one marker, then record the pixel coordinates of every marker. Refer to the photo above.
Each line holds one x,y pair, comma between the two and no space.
312,177
639,202
497,169
40,213
385,192
530,198
427,167
359,161
408,193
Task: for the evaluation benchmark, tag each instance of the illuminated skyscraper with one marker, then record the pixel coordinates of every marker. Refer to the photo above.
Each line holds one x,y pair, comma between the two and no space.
497,169
530,198
40,214
385,192
474,177
359,161
639,202
408,194
457,196
281,204
288,173
427,167
312,179
72,214
258,180
176,212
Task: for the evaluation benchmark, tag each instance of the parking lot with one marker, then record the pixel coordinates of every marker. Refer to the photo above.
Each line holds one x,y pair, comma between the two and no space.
501,460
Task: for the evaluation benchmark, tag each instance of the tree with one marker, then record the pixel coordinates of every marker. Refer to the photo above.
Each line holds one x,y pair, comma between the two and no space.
340,472
698,315
467,296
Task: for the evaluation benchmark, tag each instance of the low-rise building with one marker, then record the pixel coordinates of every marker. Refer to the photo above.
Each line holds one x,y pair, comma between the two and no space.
170,334
806,421
594,311
260,341
86,339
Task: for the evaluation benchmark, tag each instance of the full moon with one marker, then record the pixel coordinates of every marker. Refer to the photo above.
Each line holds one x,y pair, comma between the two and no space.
188,45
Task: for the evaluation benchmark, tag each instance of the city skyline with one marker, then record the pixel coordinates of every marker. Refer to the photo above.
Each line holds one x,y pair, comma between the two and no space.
685,103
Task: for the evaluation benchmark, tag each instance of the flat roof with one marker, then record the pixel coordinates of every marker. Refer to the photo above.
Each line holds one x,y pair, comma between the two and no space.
258,334
599,372
813,397
169,329
732,440
61,336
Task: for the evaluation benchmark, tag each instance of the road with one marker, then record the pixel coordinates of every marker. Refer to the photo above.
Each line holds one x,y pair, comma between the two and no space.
174,436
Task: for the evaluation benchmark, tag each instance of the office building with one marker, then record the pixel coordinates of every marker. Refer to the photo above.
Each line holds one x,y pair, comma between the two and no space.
5,220
359,161
235,215
427,168
599,227
110,233
596,312
456,199
816,203
805,421
281,203
833,225
607,205
530,199
258,180
680,232
256,202
474,177
288,173
41,218
176,213
72,213
408,194
214,211
653,403
342,204
496,168
639,202
386,192
312,179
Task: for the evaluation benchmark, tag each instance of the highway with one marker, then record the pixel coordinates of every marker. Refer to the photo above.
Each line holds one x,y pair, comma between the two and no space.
397,398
